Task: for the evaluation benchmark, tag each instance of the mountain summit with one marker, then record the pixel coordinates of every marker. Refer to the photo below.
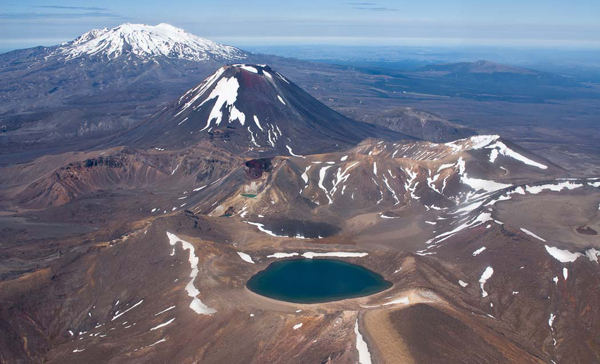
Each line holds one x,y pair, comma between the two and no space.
145,42
253,107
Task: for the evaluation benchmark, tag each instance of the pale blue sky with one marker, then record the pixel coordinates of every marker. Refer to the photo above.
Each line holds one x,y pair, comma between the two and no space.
573,23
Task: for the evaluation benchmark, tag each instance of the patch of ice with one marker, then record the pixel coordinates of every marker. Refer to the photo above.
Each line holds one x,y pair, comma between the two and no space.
462,283
165,310
297,326
245,257
562,255
532,234
322,174
163,324
501,148
159,341
282,255
478,251
257,122
196,305
248,68
225,92
310,255
364,356
592,254
117,314
292,153
478,184
487,274
556,187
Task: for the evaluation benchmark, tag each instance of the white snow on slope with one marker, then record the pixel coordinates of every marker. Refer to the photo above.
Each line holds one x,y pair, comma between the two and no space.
364,356
165,310
225,92
282,255
257,122
261,228
480,141
310,255
199,90
297,326
556,187
196,305
117,314
245,257
322,174
501,148
162,325
487,274
562,255
475,183
292,153
532,234
247,68
480,219
146,42
304,177
478,251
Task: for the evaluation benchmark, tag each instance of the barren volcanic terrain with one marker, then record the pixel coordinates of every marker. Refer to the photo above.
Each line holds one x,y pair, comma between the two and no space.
138,250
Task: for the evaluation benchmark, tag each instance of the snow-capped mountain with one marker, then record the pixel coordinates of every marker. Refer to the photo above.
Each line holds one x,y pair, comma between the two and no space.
253,108
51,94
146,42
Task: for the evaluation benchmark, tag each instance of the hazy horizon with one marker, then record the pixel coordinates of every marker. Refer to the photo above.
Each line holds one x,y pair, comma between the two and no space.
532,23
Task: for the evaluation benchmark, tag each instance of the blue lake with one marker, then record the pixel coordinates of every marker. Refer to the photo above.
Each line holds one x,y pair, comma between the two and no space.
316,280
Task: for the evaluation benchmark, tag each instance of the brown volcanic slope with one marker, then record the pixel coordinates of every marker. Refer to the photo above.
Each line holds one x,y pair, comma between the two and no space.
252,107
483,267
419,124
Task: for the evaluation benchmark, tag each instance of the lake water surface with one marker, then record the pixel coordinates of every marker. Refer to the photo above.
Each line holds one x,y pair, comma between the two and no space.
316,280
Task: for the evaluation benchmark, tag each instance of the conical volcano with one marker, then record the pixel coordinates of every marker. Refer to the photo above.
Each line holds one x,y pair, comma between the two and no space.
256,109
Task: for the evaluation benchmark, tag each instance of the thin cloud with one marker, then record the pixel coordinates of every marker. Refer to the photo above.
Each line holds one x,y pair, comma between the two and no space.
370,7
26,16
70,7
376,9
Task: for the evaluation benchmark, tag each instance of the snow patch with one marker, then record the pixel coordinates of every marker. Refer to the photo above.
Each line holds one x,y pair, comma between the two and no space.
245,257
310,255
487,274
478,251
282,255
162,325
562,255
196,305
532,234
364,356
